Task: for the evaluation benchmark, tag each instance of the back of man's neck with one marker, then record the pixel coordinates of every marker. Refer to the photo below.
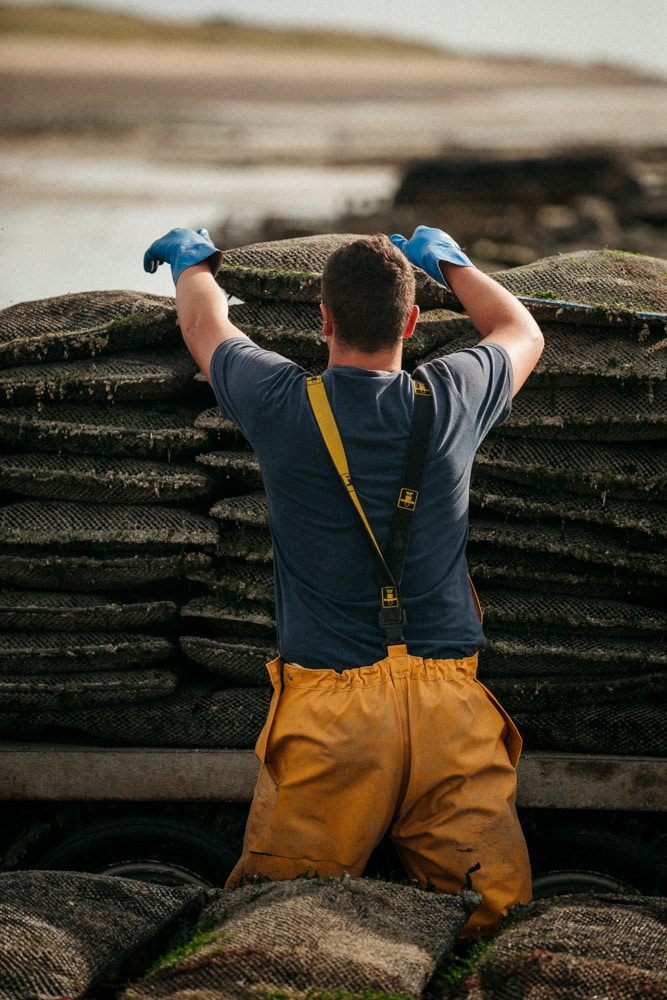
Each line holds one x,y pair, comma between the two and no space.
387,360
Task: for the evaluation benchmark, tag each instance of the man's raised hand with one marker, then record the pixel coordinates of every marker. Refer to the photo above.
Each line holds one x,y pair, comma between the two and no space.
182,248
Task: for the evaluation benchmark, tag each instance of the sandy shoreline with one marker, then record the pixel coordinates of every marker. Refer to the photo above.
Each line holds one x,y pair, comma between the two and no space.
294,75
109,145
202,105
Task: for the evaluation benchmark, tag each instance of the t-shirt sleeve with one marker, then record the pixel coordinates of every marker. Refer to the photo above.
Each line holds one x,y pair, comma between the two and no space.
483,379
244,376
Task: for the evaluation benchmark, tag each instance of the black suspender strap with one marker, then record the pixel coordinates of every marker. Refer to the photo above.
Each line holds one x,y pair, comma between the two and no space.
389,569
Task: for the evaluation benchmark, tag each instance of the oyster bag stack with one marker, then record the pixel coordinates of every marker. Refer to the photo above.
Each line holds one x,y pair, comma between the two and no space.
136,588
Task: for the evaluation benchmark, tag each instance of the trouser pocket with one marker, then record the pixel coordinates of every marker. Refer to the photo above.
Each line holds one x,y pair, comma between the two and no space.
275,669
511,737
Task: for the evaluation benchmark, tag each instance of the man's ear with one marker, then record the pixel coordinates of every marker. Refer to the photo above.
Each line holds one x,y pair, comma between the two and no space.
327,320
412,322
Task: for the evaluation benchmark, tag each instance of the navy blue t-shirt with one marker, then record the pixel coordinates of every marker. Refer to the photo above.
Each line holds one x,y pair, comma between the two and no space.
327,596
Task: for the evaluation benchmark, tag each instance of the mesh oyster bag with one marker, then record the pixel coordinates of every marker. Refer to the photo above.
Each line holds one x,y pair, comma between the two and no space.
157,432
585,657
292,329
244,527
611,285
588,543
544,690
236,662
103,480
224,431
191,716
630,471
250,509
350,935
581,357
63,932
225,618
576,948
291,270
62,692
46,611
252,544
530,614
35,568
607,288
135,377
498,564
436,332
102,526
624,411
645,521
85,324
244,586
234,466
636,729
79,652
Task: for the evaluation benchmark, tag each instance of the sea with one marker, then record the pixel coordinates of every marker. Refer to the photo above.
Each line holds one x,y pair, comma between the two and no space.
84,224
79,223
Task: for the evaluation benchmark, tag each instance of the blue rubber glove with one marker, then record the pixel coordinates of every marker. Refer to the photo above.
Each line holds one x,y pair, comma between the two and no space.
182,248
429,246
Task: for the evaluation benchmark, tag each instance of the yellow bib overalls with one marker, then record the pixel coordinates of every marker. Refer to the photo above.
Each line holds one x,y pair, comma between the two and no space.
417,747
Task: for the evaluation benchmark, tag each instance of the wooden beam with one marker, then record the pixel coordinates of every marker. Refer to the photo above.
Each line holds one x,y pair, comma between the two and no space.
41,772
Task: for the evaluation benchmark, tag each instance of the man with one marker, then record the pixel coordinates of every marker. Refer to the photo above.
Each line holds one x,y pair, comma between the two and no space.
362,737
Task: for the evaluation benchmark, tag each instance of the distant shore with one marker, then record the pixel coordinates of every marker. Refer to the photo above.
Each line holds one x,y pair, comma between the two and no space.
135,97
130,139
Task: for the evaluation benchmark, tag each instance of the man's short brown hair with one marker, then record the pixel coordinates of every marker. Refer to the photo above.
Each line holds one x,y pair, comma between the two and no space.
369,287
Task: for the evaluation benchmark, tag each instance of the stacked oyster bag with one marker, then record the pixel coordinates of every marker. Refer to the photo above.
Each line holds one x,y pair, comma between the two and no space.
75,935
567,513
568,496
575,946
104,515
320,937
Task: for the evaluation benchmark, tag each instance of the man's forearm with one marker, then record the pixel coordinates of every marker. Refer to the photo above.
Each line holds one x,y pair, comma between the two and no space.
498,316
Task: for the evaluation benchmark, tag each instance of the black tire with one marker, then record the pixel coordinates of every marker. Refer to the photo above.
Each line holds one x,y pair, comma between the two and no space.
166,849
614,854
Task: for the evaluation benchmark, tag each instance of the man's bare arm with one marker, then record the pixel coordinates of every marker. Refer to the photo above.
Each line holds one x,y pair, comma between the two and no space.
201,305
203,314
499,317
497,314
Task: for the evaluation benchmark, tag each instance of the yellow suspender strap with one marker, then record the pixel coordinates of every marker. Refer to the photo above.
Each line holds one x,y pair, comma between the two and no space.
329,430
326,422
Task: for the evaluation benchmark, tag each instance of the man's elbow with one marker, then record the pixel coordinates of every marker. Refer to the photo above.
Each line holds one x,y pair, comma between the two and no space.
536,340
526,352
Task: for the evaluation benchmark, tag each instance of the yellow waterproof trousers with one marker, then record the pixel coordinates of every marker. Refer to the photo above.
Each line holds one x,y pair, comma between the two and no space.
416,747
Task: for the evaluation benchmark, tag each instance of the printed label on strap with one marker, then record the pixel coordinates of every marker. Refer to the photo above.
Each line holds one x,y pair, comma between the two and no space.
407,498
389,597
421,388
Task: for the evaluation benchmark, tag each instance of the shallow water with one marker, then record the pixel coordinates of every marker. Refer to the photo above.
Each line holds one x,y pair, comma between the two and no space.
76,218
74,225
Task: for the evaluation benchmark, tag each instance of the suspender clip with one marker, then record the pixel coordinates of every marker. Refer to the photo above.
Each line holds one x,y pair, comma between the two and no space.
392,620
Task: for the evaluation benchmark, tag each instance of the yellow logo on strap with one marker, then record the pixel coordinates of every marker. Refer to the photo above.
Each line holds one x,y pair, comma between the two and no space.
389,597
421,388
407,498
